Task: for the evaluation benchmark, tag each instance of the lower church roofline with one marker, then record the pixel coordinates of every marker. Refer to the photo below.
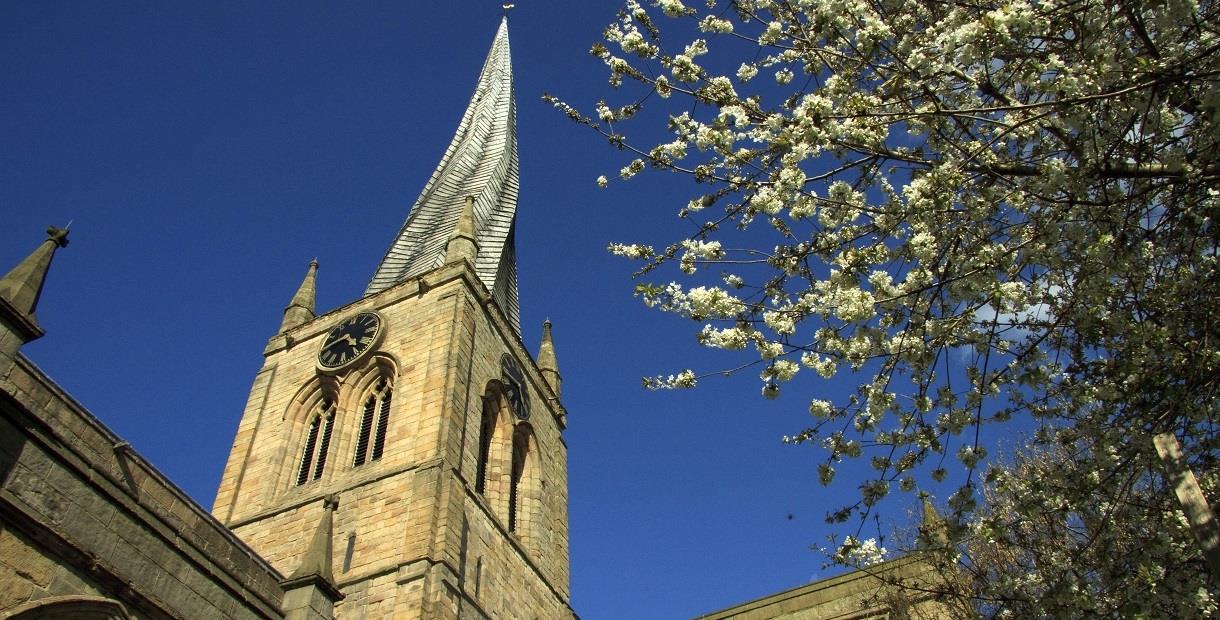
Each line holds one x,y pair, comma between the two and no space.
95,475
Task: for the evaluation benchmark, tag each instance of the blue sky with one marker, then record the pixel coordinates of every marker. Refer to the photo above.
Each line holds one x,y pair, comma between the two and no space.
205,152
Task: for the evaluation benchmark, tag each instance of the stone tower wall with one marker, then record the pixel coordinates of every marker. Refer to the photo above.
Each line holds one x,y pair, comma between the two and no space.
421,530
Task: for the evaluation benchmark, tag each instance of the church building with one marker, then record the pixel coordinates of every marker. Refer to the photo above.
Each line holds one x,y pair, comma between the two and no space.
415,414
401,456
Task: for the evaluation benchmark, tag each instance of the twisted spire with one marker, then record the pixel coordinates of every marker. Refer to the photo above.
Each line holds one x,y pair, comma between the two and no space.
481,161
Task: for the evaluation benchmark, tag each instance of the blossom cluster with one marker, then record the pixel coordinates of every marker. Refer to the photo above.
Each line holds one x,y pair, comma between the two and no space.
861,553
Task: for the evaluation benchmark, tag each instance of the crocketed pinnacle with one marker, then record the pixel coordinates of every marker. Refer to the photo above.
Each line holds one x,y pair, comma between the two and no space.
481,161
301,309
22,286
546,359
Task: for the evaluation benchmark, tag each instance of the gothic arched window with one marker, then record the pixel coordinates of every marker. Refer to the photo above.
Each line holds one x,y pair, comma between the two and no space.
494,473
317,442
374,419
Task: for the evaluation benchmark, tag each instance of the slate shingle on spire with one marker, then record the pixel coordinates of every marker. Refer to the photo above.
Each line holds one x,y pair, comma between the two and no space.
481,161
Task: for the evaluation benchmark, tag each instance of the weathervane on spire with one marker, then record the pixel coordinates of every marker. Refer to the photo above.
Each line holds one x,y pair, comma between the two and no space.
507,8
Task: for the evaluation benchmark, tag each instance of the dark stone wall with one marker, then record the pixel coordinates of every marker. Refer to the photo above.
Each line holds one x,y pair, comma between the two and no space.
81,514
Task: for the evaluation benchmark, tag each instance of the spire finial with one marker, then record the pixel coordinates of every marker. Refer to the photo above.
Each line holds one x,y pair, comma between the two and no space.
301,309
547,362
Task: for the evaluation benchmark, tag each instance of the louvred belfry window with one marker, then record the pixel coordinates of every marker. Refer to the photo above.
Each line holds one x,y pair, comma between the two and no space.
374,420
317,443
487,429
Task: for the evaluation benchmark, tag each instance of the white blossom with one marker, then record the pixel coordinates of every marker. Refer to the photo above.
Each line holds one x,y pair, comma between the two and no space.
715,24
746,71
861,553
631,250
732,338
672,8
683,380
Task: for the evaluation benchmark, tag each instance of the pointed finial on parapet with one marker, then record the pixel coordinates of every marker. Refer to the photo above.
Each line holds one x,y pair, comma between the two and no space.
315,574
21,287
933,531
317,559
462,241
546,359
301,309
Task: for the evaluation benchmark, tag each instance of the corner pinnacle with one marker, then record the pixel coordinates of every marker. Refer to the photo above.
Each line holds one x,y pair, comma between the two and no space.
462,241
301,309
21,287
933,531
317,559
547,362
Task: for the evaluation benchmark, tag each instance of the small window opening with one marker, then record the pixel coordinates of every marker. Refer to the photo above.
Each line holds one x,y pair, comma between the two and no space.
486,430
313,456
327,426
307,454
347,555
383,420
378,406
478,576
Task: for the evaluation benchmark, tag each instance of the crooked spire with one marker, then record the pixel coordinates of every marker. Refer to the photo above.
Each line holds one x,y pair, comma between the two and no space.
301,309
481,161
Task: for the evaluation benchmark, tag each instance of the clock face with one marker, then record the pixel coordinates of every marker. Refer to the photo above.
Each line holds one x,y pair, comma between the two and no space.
514,386
349,340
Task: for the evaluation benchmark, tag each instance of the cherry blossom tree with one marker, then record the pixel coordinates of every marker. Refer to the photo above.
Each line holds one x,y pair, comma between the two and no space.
1059,535
983,213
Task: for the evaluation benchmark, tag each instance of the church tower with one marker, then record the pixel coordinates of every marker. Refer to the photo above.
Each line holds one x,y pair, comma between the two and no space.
402,455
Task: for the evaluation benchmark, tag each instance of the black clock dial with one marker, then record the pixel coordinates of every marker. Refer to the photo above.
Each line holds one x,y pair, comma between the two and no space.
349,340
514,386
